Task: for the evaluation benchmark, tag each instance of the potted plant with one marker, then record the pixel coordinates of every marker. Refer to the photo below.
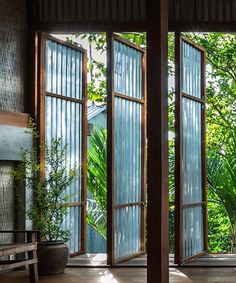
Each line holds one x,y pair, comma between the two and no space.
49,181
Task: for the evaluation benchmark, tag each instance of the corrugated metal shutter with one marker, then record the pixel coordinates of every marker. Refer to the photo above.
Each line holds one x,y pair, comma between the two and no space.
91,10
129,137
202,10
65,112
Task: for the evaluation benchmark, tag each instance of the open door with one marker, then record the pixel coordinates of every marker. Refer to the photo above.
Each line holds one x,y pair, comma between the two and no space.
126,150
62,112
190,167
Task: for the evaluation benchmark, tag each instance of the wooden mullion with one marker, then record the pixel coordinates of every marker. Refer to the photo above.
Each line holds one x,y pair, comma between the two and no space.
128,43
144,157
110,149
178,152
130,98
194,98
84,153
192,43
203,148
41,96
66,43
202,204
67,98
139,203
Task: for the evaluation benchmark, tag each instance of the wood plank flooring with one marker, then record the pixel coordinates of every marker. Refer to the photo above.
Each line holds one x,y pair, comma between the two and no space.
126,275
209,260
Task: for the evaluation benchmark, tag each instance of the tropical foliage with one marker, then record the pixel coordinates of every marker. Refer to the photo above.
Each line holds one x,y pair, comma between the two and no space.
49,183
97,182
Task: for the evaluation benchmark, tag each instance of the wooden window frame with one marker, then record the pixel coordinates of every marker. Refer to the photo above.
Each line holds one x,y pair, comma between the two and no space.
179,38
40,117
111,38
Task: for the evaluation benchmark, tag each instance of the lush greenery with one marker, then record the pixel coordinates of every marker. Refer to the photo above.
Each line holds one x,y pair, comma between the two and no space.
221,128
49,182
97,182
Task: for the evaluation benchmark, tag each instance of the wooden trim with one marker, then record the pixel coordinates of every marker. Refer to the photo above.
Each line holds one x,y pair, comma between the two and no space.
82,26
192,43
110,149
204,165
194,204
42,94
84,153
187,259
126,258
144,155
128,43
178,152
14,119
65,43
67,98
157,150
194,98
130,98
139,203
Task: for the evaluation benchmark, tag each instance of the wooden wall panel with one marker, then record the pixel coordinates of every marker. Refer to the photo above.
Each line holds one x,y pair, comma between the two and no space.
13,19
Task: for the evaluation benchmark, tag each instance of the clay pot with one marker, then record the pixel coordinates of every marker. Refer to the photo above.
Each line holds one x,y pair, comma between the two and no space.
52,257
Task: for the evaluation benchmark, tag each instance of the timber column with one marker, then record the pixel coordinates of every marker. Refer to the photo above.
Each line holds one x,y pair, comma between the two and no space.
157,133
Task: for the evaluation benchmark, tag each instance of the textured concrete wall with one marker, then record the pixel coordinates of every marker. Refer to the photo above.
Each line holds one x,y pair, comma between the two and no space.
13,23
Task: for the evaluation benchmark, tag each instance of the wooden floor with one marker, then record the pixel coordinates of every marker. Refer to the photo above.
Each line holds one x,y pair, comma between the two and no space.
210,260
126,275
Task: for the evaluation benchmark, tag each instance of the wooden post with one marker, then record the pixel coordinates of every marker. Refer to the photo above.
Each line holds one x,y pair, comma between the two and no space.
157,133
33,268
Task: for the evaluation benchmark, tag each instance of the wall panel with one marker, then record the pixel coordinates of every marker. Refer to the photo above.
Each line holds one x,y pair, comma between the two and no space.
13,21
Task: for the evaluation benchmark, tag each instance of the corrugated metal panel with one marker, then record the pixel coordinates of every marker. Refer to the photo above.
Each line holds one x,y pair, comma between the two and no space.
202,10
192,231
92,10
192,151
191,70
7,201
94,110
128,150
128,71
64,120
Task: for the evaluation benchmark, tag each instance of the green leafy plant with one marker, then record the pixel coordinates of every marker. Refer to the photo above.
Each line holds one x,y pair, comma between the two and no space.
222,180
97,182
49,182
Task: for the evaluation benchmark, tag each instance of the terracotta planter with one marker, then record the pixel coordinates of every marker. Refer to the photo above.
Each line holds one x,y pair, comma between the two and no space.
52,257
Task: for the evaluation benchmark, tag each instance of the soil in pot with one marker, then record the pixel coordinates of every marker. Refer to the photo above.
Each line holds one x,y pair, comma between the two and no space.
52,257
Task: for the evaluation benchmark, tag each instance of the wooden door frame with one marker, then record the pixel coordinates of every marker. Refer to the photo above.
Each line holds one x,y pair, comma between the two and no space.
179,38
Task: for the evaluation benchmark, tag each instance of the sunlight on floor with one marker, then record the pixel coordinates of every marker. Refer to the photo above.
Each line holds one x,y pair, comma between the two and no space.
178,273
107,277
